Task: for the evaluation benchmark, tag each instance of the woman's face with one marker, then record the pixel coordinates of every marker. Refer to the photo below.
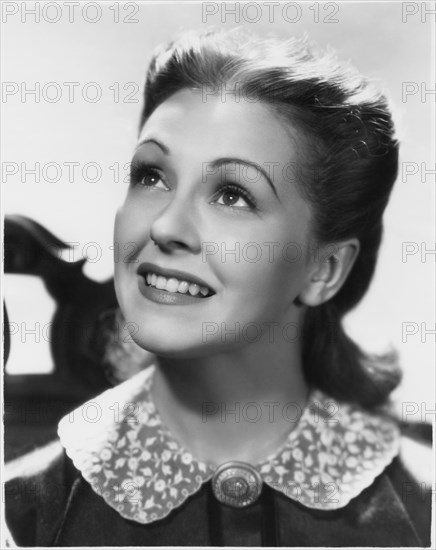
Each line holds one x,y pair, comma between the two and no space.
196,205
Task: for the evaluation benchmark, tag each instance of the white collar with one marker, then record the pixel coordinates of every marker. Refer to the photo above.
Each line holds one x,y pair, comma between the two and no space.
129,457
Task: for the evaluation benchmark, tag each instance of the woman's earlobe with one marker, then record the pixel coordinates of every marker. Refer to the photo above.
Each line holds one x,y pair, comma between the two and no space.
329,273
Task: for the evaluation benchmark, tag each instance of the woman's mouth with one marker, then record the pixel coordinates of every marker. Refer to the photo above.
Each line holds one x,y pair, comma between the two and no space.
170,286
177,285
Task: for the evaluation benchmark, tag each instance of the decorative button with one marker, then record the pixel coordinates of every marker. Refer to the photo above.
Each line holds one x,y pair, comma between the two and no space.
237,484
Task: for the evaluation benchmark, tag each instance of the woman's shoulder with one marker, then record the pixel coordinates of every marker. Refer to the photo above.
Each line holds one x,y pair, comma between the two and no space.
411,477
382,456
36,489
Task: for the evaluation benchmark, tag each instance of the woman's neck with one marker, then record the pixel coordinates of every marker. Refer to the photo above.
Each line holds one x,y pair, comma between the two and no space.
239,405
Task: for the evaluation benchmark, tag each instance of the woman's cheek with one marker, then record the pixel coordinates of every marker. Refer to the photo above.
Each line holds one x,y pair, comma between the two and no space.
121,228
130,227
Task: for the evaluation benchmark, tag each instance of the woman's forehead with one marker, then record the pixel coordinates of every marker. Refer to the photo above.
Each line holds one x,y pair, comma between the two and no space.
195,129
231,123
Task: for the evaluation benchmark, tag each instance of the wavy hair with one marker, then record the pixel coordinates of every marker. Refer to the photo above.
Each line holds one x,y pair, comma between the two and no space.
348,168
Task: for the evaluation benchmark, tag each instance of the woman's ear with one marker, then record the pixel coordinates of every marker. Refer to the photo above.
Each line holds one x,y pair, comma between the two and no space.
328,271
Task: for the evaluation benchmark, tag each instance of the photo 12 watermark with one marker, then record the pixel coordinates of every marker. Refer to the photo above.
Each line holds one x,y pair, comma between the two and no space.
418,91
415,330
418,11
66,171
69,92
270,12
411,411
411,172
421,252
71,12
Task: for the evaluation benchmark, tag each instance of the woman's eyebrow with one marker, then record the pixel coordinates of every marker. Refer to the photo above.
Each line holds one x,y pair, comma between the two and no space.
230,160
161,146
218,162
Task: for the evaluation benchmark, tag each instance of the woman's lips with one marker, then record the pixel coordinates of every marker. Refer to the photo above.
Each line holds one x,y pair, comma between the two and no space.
147,267
160,296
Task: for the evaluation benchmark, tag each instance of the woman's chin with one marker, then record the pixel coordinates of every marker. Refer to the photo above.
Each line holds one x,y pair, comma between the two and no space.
176,345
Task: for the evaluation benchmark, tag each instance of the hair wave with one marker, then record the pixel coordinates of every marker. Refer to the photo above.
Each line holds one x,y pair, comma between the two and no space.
348,166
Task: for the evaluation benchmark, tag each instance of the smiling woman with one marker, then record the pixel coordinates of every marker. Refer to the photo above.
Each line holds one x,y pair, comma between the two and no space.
173,204
253,219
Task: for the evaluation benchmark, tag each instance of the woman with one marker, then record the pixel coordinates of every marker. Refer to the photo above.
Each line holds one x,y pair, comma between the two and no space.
251,226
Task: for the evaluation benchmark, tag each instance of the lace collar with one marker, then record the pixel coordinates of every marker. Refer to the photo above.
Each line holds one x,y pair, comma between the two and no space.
130,459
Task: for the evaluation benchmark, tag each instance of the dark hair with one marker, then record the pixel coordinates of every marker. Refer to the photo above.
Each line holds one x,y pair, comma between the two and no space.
347,171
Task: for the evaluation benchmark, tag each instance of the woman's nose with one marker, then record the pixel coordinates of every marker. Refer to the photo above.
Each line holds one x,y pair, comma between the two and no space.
175,227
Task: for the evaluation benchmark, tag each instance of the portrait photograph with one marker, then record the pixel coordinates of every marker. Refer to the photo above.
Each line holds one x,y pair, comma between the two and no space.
218,231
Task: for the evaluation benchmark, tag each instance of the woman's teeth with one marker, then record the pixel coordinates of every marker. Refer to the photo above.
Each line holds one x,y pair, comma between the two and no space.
174,285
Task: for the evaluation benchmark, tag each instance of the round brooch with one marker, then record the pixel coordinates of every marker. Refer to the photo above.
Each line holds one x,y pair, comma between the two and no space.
236,484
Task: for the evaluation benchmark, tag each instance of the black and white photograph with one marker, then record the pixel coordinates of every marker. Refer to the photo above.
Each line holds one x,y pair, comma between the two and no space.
218,231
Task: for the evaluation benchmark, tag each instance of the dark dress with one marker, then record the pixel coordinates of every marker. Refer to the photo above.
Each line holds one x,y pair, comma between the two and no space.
51,496
57,507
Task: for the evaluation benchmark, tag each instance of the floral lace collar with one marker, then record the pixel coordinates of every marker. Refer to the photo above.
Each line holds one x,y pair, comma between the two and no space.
130,459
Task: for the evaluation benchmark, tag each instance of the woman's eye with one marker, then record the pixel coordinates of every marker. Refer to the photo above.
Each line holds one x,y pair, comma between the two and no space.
146,177
235,197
